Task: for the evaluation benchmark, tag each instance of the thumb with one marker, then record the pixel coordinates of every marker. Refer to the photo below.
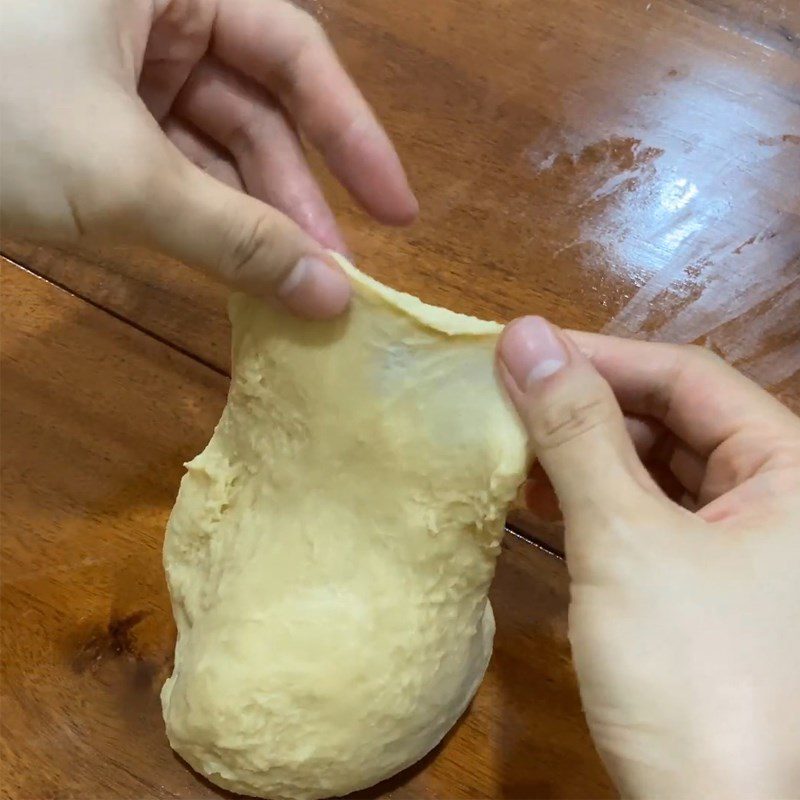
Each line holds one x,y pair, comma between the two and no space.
246,243
575,425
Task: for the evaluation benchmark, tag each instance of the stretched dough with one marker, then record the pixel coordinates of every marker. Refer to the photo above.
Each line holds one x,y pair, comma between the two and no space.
330,551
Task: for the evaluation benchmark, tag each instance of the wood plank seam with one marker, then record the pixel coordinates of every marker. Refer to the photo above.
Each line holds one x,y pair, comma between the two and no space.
513,529
520,533
116,315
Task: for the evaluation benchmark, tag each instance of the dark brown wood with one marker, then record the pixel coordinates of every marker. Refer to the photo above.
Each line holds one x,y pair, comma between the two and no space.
97,418
629,166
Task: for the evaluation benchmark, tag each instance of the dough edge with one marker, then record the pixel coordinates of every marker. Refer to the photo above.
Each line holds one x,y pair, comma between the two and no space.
436,318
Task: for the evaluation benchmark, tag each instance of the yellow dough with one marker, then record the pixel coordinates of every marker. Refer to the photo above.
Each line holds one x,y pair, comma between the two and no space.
330,551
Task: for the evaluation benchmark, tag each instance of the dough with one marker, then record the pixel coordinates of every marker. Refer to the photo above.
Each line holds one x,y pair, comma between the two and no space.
330,551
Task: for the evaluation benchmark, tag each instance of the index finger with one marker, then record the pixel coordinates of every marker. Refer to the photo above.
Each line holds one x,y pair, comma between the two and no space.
285,50
699,397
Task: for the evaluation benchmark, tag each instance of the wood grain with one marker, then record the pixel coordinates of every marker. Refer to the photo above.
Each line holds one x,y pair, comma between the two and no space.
631,167
626,166
97,418
619,165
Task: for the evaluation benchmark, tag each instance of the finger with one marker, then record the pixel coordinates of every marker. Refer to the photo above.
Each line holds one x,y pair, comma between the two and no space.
701,399
285,50
538,495
575,425
203,152
688,467
179,35
190,216
671,462
242,118
647,435
763,495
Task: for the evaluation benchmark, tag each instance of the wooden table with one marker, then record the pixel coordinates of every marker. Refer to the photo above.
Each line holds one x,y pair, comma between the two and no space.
630,166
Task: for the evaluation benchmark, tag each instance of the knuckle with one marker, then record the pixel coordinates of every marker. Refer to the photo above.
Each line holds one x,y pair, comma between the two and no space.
240,137
308,35
567,420
657,399
696,352
309,25
249,257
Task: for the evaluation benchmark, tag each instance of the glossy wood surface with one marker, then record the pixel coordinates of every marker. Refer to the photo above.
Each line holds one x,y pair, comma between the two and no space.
626,166
619,165
90,471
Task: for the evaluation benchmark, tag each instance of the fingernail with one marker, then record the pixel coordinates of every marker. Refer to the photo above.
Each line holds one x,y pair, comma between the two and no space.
315,289
531,351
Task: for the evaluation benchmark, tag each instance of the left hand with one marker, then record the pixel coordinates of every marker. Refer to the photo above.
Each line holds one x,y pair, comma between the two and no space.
176,125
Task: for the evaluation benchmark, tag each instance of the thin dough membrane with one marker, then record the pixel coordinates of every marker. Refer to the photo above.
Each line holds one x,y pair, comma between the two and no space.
330,551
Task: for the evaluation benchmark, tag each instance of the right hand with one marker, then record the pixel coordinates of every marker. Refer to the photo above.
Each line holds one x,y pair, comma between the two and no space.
174,124
684,620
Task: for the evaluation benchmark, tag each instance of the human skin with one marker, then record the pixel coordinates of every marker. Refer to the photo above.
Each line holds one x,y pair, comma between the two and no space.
174,124
684,620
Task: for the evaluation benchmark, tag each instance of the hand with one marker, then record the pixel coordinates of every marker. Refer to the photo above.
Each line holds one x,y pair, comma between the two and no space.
684,625
109,109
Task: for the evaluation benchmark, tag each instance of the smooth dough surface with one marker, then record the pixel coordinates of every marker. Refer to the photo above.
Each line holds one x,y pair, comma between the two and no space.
330,551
